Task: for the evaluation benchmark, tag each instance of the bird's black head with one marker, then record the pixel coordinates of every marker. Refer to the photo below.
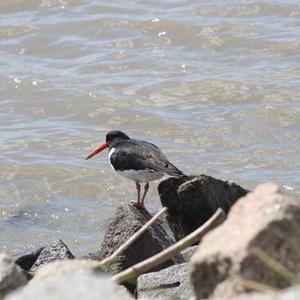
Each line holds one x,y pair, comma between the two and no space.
115,136
111,138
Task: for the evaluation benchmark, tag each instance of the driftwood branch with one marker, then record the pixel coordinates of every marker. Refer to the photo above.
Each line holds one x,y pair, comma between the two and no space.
107,261
276,266
148,264
258,286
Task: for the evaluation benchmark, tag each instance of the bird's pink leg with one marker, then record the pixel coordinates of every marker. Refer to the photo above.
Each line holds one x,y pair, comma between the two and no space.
138,202
146,188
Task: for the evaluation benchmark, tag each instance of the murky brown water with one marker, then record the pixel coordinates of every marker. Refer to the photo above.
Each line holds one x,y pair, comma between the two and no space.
215,84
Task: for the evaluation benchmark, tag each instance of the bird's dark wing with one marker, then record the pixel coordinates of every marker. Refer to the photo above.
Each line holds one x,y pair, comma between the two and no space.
140,155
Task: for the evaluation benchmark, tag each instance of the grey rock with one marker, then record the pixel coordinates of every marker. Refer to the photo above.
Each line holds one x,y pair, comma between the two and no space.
264,220
292,293
59,268
189,252
70,280
26,260
127,220
51,253
11,275
171,282
192,200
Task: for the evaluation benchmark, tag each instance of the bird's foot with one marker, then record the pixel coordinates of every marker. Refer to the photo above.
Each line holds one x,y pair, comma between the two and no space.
137,204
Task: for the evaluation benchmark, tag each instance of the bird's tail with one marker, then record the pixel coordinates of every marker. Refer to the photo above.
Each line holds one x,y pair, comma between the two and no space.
175,172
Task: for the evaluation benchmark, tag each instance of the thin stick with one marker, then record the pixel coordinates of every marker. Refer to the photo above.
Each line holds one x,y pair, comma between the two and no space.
257,286
276,266
148,264
107,261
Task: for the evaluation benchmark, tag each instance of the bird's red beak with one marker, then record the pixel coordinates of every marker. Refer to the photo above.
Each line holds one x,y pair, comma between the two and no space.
97,150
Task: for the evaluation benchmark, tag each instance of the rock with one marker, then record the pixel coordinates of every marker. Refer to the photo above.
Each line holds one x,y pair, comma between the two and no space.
189,252
171,282
70,280
292,293
11,275
34,259
50,253
265,220
192,200
127,220
59,268
26,260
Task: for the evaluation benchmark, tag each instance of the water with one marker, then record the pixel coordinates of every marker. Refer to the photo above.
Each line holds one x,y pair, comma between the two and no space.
215,84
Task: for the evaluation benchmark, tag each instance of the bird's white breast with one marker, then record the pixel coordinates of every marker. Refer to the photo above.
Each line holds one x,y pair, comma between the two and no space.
141,175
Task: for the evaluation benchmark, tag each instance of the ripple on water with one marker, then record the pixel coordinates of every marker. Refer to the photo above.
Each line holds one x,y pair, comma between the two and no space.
214,84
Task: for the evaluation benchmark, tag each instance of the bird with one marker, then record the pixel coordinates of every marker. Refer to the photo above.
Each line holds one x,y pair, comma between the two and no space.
137,160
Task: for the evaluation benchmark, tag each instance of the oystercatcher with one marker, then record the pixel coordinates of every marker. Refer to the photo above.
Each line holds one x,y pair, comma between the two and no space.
138,160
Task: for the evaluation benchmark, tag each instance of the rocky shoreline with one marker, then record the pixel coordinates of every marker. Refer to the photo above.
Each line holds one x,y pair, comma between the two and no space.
253,254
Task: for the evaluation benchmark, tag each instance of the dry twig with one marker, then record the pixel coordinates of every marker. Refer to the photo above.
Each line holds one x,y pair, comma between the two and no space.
276,266
257,286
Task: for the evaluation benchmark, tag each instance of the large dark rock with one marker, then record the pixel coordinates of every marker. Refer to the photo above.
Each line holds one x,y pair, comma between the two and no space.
127,220
47,254
11,275
26,260
192,200
171,282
